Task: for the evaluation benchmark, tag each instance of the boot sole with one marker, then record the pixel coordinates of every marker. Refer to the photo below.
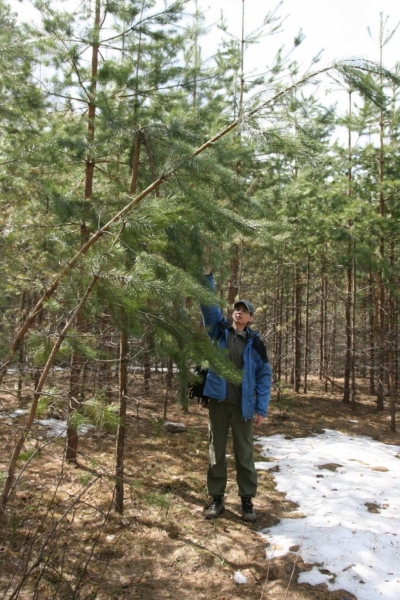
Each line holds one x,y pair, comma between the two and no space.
249,519
221,512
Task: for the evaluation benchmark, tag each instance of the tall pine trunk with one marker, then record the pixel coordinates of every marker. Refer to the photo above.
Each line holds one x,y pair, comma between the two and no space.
89,163
381,308
74,399
306,327
353,395
391,342
277,326
105,375
297,328
333,343
348,363
348,330
71,448
322,330
233,285
123,391
371,304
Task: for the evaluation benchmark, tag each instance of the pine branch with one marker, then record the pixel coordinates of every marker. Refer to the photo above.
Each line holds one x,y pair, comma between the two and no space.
353,72
37,394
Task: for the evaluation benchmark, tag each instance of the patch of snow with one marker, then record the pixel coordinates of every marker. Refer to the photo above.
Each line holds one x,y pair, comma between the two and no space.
19,412
239,577
58,428
348,489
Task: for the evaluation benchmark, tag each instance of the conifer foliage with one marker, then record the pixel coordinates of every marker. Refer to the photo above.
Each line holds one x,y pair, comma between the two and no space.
118,167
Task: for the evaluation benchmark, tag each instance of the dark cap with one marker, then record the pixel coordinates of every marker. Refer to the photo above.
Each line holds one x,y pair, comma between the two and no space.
247,304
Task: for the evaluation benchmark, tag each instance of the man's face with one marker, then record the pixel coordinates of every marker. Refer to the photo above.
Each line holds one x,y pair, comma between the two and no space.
241,316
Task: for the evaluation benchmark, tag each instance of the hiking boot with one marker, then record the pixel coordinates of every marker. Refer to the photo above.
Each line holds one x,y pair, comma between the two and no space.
248,512
216,508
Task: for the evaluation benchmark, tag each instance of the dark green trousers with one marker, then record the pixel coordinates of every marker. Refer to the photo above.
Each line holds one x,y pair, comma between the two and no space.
222,416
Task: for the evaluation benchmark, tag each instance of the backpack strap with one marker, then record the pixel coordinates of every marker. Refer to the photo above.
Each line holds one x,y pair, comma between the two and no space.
257,342
259,346
223,326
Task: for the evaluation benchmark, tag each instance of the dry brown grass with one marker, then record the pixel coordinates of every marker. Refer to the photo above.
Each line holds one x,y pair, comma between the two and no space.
62,539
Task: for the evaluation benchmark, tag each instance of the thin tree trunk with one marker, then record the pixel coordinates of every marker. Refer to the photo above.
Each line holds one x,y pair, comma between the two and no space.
21,359
275,324
89,174
391,342
297,329
349,279
150,157
289,302
21,354
379,322
348,313
325,339
105,375
333,343
146,361
280,331
71,443
371,335
198,17
123,391
233,285
74,394
76,361
168,384
276,332
306,327
135,161
353,341
396,345
380,283
321,369
78,374
392,392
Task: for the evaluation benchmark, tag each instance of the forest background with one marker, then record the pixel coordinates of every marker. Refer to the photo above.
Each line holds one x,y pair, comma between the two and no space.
124,155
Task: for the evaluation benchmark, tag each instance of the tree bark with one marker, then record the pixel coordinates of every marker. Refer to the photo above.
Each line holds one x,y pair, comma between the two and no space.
89,163
333,343
306,327
348,313
233,285
353,395
74,400
278,318
123,391
321,370
297,328
105,375
146,361
135,162
371,335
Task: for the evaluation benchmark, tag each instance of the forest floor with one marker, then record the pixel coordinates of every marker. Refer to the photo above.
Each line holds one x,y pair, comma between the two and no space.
61,537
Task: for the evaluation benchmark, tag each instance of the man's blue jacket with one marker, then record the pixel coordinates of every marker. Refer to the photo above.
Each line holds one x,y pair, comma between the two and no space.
257,374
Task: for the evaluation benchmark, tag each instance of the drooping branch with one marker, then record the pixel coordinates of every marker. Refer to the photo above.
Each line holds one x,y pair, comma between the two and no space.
351,70
17,450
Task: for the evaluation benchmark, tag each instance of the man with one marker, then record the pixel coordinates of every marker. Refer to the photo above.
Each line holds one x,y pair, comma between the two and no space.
236,405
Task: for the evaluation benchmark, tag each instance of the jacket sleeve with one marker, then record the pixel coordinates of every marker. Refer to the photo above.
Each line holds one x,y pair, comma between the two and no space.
212,315
263,387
